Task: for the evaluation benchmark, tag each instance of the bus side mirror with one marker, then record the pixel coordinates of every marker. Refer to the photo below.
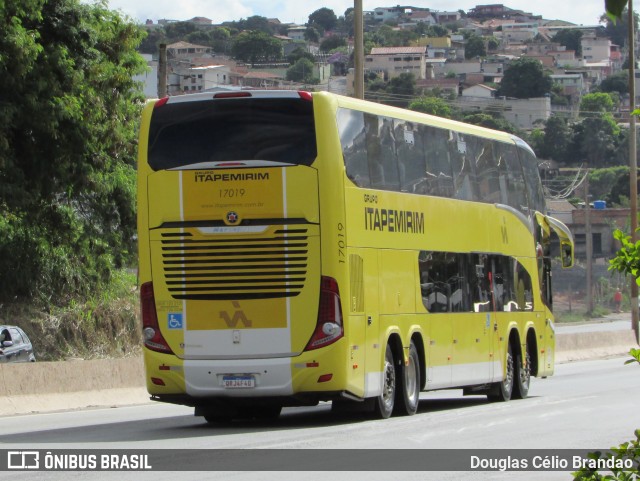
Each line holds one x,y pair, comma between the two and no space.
567,254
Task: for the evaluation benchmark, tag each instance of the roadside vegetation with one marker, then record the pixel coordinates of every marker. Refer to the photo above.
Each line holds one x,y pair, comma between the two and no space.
103,325
68,133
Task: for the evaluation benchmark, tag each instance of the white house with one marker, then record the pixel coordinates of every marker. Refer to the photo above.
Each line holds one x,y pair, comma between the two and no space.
296,32
149,79
396,60
479,91
521,112
596,49
197,79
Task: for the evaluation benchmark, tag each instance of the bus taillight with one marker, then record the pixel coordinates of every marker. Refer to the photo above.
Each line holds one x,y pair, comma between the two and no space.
150,329
161,102
329,327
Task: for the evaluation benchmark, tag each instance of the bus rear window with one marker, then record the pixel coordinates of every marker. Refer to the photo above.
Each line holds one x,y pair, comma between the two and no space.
226,130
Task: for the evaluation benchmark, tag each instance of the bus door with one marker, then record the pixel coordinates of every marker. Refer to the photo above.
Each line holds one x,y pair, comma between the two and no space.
435,294
497,320
484,340
547,225
370,327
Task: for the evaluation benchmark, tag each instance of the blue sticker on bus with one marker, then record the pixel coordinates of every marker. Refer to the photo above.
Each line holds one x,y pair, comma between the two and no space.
174,320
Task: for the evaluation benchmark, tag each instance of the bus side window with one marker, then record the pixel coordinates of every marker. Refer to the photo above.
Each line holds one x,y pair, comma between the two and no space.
373,151
439,176
532,179
410,152
433,285
480,283
517,190
390,165
463,174
354,149
383,165
486,171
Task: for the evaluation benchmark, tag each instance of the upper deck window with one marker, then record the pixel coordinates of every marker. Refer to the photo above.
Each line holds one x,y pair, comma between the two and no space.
222,130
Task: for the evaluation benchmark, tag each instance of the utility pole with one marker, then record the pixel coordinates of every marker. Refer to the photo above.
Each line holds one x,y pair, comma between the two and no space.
358,40
633,164
589,242
162,71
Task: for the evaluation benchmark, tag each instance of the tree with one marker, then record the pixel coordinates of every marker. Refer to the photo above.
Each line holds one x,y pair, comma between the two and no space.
256,22
199,37
556,139
609,183
525,78
331,43
179,30
255,46
311,34
570,38
433,106
595,104
617,29
557,95
154,37
491,122
299,53
220,39
301,71
618,82
595,140
67,146
430,30
403,85
474,47
325,18
386,36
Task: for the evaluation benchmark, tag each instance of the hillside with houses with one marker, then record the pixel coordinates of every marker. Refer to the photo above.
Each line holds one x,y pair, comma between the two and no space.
461,55
560,86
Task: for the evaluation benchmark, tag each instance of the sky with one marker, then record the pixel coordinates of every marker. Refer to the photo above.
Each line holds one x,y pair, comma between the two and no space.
582,12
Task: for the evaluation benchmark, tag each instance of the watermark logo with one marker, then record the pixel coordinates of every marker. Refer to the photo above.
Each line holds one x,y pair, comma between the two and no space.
23,460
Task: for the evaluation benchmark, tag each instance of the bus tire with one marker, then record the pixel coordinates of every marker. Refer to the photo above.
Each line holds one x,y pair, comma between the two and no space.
501,391
408,385
384,403
522,376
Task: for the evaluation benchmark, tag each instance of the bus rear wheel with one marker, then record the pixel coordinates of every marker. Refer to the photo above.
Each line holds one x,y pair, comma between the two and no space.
385,402
408,392
501,391
522,376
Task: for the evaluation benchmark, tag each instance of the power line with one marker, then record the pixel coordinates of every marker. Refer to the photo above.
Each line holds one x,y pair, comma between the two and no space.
567,191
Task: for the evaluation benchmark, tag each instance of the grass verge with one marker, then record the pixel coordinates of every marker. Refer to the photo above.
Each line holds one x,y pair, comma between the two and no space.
103,326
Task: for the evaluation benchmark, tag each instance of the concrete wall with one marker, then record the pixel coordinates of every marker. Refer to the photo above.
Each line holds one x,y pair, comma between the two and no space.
54,386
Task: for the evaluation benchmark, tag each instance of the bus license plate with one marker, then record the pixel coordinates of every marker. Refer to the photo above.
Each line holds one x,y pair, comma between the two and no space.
238,382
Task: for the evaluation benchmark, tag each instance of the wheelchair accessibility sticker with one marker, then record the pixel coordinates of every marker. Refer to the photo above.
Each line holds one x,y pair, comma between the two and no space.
174,320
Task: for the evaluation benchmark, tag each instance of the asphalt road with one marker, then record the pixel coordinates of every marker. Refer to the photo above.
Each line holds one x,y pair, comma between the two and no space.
611,322
590,405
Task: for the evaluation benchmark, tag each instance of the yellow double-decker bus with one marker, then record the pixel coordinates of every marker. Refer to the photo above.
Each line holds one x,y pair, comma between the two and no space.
297,248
